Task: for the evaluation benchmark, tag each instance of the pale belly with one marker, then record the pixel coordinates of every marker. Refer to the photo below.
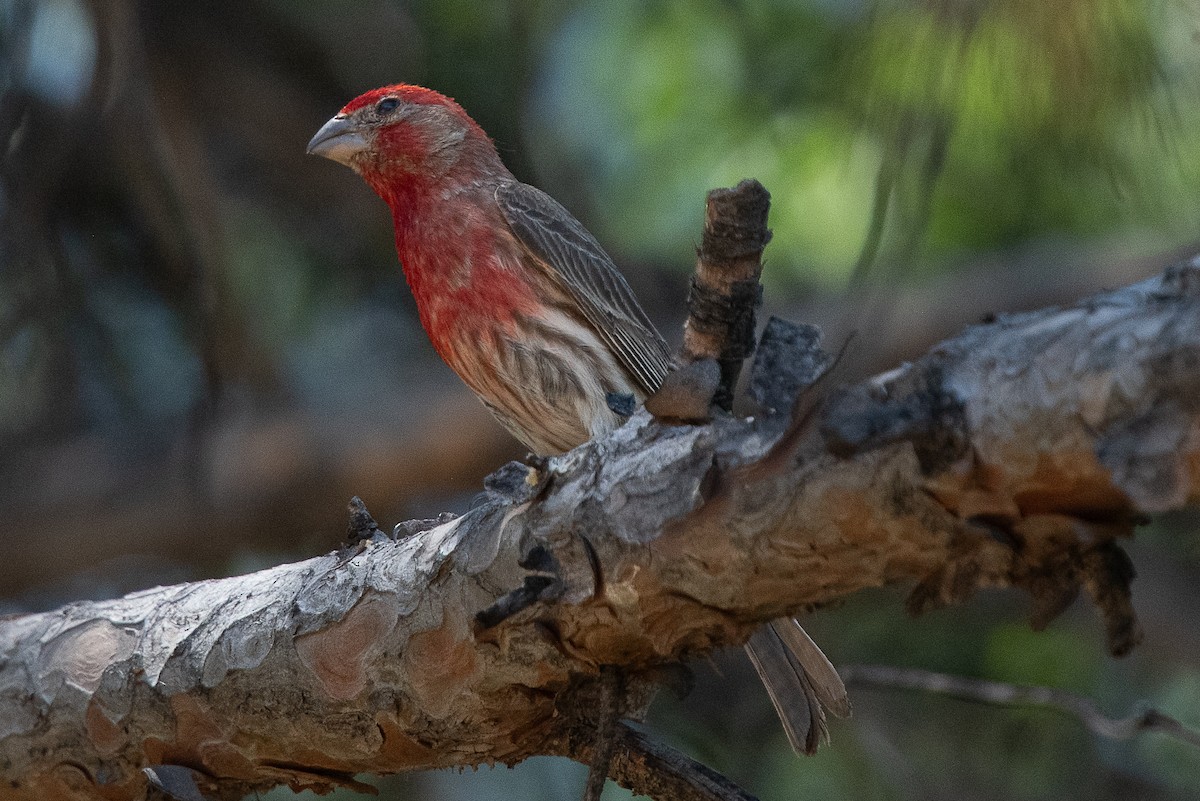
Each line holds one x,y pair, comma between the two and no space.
547,381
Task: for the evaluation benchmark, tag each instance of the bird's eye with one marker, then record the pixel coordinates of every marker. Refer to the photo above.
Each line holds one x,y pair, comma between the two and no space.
386,106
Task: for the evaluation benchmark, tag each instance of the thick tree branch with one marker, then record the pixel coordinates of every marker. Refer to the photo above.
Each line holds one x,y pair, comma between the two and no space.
1013,455
105,501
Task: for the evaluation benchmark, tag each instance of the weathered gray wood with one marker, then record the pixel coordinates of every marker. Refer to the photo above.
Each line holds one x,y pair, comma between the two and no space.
1013,454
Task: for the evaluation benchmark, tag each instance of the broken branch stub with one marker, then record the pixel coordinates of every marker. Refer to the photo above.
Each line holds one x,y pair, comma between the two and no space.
725,289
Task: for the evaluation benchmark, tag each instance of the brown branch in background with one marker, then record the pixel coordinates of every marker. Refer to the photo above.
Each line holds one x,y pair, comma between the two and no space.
890,167
1005,694
273,476
874,280
166,179
725,290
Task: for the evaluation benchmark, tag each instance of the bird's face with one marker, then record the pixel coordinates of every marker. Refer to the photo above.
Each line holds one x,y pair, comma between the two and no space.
396,132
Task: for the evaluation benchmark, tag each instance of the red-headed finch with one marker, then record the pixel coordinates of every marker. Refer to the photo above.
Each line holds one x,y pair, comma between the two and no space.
523,303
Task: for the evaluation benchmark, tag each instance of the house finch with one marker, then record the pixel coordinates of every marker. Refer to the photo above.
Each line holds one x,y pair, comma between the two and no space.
523,303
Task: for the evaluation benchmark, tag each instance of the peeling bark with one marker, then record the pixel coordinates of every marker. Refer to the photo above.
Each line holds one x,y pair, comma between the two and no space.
1016,454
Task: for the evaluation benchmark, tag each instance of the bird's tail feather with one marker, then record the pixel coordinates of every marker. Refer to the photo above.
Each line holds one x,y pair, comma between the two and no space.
800,680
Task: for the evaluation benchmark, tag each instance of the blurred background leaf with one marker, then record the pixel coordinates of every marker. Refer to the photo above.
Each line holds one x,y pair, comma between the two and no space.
206,346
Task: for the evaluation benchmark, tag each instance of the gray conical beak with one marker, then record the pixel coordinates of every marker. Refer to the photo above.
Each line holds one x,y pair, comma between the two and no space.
339,140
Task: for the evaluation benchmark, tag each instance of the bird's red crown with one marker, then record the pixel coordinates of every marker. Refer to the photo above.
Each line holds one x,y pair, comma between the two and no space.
407,93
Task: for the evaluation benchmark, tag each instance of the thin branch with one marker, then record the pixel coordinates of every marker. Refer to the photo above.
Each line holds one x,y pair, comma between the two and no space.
1004,694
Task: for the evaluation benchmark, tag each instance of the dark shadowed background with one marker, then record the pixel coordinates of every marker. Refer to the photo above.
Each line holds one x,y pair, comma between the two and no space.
206,345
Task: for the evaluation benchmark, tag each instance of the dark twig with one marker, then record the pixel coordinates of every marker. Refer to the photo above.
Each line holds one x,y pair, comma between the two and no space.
1002,693
656,770
606,740
635,761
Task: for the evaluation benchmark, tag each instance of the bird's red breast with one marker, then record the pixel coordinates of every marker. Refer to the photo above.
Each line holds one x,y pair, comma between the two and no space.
468,278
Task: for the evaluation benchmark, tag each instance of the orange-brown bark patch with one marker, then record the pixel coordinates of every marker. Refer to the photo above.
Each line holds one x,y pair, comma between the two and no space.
338,653
439,664
199,743
399,749
105,735
852,514
1069,482
679,543
70,783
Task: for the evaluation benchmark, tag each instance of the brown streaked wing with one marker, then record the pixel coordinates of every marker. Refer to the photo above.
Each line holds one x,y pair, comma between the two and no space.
552,235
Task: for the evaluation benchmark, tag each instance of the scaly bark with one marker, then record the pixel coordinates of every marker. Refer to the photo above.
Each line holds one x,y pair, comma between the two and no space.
1013,455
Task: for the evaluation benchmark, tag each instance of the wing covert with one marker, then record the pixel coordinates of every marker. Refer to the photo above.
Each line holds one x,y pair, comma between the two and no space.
550,233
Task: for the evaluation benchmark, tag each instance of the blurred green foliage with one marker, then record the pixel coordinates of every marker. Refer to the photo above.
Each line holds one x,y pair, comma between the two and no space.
1066,118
